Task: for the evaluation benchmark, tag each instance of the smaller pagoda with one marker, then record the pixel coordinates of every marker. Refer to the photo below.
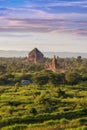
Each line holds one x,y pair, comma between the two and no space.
53,65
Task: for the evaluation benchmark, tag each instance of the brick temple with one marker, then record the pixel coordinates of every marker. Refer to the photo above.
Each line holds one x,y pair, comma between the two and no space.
35,56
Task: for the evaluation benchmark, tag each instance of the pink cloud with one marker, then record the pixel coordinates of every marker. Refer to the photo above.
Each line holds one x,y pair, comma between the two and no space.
47,24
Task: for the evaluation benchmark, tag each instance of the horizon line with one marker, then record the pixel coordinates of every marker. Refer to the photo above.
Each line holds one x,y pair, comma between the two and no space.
45,51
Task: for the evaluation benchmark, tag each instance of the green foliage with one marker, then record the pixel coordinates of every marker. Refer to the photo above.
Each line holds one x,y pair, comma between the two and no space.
2,69
40,79
79,59
33,111
50,102
13,70
17,84
73,78
15,127
50,106
79,128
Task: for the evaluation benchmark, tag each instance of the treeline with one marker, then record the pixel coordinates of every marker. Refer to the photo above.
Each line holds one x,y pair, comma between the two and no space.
17,65
71,71
43,78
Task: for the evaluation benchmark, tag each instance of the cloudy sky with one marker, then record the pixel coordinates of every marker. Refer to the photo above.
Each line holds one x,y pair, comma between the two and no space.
50,25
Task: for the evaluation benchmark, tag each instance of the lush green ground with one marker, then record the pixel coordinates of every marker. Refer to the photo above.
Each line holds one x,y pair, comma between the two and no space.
43,107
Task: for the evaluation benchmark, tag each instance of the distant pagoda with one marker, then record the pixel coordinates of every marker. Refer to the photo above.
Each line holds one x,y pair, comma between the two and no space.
53,65
35,56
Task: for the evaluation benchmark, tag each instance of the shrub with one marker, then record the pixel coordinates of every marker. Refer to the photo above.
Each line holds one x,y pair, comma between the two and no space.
15,127
33,111
17,84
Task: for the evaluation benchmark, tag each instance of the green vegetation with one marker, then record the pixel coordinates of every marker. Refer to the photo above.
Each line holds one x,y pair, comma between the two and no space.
60,107
53,100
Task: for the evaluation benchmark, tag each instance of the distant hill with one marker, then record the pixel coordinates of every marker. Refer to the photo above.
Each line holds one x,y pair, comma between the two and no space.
14,53
66,54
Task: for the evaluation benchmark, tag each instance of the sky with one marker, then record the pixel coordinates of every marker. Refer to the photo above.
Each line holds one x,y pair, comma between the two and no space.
49,25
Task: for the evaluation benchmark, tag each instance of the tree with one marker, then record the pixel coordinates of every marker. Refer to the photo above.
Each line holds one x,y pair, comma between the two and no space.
79,59
57,79
72,78
40,79
2,69
33,111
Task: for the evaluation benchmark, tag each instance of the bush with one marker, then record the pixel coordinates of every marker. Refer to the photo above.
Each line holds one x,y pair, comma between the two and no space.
73,78
15,127
40,79
33,111
17,84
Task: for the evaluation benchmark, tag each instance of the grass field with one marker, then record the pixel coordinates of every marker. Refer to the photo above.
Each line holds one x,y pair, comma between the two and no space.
45,107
